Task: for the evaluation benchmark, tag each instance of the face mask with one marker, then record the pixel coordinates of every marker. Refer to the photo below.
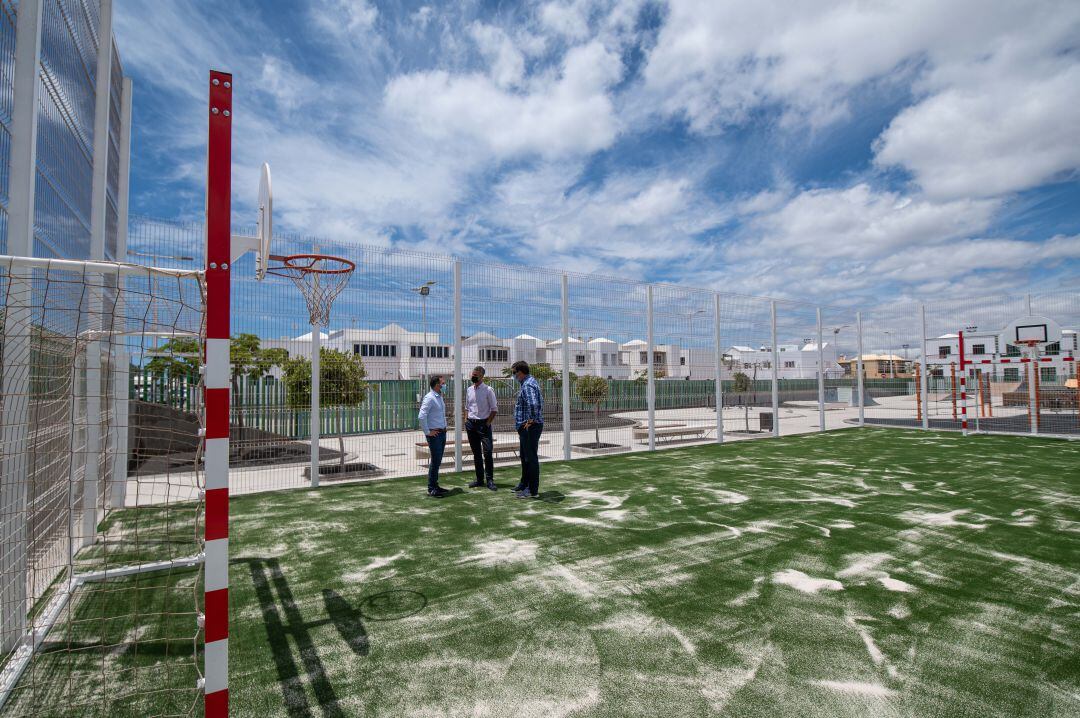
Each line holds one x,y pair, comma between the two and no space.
476,380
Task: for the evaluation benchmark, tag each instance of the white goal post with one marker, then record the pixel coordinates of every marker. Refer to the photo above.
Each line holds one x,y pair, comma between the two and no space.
78,534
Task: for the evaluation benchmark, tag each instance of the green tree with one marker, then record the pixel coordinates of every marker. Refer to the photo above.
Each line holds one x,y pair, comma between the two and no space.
342,382
542,371
642,377
741,382
592,390
176,357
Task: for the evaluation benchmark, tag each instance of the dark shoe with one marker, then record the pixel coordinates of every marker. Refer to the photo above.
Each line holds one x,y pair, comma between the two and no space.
519,488
523,494
476,484
438,492
491,485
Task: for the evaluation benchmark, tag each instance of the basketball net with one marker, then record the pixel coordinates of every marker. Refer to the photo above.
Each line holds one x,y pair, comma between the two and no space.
319,277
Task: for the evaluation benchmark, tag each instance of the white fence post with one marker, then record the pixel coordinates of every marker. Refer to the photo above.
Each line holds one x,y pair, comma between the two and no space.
95,449
650,390
860,386
566,366
121,366
775,373
820,374
459,383
718,356
15,379
924,380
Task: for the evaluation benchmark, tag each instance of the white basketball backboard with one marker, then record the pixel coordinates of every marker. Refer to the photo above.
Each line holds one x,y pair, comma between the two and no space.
1033,330
264,228
264,222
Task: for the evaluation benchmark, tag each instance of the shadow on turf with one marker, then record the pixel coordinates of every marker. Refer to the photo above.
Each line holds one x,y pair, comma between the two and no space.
392,605
283,619
551,497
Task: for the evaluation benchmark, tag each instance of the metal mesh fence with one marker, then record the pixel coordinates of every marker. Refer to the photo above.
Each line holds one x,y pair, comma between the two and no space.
392,337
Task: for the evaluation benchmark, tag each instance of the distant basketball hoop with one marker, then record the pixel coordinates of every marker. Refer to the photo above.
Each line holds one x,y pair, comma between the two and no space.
1032,331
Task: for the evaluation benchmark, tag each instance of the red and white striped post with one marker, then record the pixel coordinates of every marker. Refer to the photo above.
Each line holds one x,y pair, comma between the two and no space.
963,388
216,388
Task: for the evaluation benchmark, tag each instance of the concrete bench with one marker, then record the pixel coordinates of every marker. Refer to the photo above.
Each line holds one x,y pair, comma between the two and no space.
504,450
670,433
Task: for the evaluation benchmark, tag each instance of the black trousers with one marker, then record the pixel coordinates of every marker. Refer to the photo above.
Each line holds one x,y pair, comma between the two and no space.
530,461
480,438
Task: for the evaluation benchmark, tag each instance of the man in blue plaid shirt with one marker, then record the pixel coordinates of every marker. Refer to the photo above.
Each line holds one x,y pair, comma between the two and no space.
529,420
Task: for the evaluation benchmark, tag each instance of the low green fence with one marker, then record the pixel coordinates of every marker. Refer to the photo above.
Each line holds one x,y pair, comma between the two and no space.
391,405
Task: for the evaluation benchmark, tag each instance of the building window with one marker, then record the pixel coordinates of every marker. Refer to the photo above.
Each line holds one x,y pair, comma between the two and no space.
682,361
1048,374
603,359
496,355
1011,350
644,358
789,365
1053,349
978,348
375,350
579,359
944,351
624,358
1012,374
659,358
766,365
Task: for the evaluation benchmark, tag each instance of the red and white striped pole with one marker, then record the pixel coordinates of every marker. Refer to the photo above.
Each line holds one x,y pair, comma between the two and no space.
963,388
216,387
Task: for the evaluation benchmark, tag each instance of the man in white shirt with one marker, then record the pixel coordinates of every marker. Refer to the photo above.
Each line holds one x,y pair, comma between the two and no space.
481,406
433,423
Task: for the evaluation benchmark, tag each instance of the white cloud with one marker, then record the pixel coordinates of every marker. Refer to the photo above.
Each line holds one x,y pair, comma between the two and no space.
858,223
567,114
506,61
714,62
930,264
423,16
570,19
994,127
345,16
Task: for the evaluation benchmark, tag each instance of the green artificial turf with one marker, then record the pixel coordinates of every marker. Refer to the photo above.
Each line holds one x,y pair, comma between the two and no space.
869,572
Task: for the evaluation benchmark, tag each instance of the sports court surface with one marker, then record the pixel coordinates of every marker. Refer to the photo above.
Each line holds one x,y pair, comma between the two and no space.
852,573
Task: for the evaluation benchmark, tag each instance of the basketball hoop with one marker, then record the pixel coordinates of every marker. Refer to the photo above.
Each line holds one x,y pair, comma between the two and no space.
319,277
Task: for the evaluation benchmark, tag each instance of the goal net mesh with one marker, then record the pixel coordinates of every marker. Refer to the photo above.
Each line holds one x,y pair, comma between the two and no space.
101,501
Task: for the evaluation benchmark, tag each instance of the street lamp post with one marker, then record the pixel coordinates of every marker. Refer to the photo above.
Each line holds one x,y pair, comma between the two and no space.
888,350
424,290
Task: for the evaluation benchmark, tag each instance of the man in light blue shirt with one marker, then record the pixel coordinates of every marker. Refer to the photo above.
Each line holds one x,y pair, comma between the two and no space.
433,423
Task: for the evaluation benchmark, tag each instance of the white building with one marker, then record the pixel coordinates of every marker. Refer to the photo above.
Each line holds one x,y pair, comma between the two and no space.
794,362
393,352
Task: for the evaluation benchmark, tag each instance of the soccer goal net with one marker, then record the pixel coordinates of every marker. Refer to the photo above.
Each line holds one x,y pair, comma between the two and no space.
101,569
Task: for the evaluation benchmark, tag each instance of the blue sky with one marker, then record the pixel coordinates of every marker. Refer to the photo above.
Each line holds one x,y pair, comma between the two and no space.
838,152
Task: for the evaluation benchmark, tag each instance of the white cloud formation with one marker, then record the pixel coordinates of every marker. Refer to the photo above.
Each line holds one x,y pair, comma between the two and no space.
570,113
506,61
859,223
570,19
993,126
